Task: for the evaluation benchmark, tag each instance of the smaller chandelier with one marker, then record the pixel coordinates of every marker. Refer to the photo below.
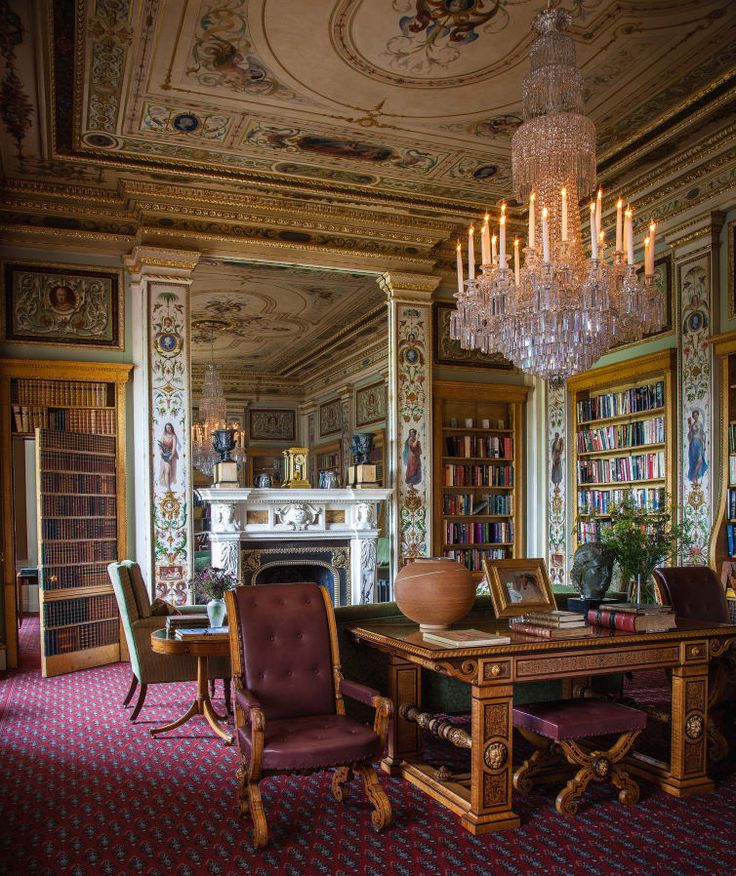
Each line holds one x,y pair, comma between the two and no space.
213,416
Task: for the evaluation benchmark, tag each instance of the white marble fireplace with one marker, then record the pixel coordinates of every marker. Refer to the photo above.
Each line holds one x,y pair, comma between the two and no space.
254,532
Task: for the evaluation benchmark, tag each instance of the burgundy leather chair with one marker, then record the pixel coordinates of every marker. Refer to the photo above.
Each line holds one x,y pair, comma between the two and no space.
697,593
289,710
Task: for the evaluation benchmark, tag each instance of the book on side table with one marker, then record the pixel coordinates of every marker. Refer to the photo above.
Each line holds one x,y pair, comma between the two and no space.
200,634
551,632
465,638
185,621
633,618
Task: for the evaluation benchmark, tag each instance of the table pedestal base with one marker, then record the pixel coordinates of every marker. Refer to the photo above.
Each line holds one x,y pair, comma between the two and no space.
202,705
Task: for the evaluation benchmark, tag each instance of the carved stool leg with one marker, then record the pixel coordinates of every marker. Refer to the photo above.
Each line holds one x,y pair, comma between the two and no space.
568,799
258,815
340,778
628,789
381,815
547,755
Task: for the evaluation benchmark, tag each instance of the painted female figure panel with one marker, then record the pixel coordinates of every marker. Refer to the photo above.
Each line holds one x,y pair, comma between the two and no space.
412,458
697,465
169,447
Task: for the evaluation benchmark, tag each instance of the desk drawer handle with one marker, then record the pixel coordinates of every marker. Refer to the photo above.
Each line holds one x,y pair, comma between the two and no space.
696,652
495,670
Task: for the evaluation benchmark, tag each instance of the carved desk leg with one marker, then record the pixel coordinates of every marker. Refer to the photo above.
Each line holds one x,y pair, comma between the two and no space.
491,761
687,774
404,737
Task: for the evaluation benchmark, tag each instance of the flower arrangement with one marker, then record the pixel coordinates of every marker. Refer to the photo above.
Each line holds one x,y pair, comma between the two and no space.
213,582
641,540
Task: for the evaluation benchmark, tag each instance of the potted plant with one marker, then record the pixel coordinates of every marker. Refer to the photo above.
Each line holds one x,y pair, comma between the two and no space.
642,539
214,583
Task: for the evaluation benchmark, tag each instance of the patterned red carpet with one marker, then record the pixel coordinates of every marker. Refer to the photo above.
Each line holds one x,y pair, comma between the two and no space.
84,792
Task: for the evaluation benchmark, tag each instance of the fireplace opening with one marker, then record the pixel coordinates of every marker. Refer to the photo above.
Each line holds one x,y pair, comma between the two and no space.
292,573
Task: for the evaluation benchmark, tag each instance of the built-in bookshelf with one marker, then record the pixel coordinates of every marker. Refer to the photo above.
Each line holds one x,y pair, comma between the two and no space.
623,428
478,471
723,536
75,413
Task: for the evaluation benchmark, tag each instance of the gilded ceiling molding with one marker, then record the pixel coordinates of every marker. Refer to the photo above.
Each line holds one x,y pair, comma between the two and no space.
408,288
64,235
709,226
161,263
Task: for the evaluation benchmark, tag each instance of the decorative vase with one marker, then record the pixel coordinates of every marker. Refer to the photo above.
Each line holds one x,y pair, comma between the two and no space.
216,610
434,592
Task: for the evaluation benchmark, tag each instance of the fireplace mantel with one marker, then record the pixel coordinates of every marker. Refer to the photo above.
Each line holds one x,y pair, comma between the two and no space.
240,516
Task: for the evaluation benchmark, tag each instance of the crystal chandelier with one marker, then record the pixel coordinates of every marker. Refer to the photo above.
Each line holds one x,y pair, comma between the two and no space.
559,312
212,416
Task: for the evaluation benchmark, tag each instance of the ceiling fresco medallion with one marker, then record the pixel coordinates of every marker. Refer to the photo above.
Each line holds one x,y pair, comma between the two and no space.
425,43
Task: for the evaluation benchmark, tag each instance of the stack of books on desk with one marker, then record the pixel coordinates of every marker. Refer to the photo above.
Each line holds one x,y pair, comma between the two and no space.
199,634
633,617
176,622
552,625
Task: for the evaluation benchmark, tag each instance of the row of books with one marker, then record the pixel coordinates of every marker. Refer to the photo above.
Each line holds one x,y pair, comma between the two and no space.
623,435
732,437
59,461
55,482
199,634
78,506
633,617
478,533
63,612
66,393
639,467
467,503
590,530
615,404
472,558
480,475
77,442
732,470
492,446
732,502
64,577
731,539
97,421
66,553
78,527
601,501
68,639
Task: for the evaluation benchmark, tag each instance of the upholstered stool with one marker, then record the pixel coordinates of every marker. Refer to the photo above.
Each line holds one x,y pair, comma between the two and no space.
555,728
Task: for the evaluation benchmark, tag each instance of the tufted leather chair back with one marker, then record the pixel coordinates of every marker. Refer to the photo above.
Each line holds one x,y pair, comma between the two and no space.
695,592
285,652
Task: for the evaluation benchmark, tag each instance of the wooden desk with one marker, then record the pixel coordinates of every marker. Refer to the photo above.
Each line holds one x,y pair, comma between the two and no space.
24,578
484,801
217,645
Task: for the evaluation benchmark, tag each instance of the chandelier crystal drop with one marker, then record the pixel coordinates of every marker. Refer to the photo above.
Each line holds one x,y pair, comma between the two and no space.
212,416
556,314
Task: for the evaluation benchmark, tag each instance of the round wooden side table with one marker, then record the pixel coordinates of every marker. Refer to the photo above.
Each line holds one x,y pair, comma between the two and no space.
215,645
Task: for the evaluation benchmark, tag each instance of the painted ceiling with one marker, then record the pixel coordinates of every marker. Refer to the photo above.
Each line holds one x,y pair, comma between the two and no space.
411,100
275,321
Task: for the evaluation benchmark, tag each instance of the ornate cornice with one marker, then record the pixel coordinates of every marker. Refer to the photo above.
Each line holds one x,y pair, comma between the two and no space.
415,288
161,264
709,225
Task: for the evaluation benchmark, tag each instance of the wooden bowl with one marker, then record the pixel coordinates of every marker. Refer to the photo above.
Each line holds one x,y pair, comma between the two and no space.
434,592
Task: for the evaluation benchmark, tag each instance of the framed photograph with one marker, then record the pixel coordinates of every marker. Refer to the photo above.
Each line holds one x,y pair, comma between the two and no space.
269,424
330,417
449,352
370,404
46,303
518,586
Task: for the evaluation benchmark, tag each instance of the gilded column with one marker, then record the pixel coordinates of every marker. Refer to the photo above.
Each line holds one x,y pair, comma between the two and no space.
556,468
160,280
696,272
409,450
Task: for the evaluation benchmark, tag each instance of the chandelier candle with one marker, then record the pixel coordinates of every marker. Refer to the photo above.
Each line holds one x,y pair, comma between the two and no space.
629,235
619,225
532,237
593,233
485,244
649,267
599,211
516,261
459,269
502,240
471,254
494,258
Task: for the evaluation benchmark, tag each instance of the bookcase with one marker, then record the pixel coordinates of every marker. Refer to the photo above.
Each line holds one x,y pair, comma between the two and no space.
723,537
478,471
75,412
623,427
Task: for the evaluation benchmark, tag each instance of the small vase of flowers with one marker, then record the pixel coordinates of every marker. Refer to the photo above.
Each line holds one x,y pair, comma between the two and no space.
642,539
214,583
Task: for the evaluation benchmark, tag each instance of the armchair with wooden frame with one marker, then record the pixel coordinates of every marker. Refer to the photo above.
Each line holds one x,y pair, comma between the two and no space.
138,623
289,710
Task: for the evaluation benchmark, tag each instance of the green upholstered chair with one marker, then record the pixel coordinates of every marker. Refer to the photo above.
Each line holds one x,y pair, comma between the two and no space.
147,667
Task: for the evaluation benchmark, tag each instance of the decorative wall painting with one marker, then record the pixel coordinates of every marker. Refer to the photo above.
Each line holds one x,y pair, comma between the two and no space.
731,270
62,304
449,352
272,425
370,404
330,417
